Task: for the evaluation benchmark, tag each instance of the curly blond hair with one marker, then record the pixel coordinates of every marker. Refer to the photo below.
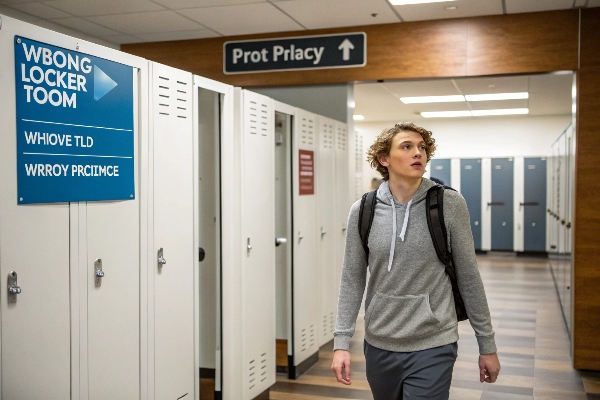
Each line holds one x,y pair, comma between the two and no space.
383,144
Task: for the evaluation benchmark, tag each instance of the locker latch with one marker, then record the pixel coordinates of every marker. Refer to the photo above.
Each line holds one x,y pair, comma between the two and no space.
98,273
161,260
13,289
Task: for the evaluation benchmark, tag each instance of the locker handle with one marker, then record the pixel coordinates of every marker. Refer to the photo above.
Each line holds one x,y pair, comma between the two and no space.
568,225
323,232
13,289
161,260
530,203
496,203
279,241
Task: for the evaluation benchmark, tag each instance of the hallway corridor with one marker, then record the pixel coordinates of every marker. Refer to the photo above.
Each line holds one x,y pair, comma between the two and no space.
532,339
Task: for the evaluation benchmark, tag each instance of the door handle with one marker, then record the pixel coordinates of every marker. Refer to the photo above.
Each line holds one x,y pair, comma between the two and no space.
161,259
98,273
496,203
280,240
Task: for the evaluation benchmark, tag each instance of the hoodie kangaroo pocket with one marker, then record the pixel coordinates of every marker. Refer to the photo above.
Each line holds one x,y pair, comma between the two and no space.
401,317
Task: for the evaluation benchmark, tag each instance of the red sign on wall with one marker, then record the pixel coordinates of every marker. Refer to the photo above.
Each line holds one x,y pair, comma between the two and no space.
306,171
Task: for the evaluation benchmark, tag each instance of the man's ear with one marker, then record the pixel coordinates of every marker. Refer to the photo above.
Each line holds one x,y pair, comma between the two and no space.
383,160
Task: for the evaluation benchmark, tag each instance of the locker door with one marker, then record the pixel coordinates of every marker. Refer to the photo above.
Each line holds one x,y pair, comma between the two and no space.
173,233
440,169
502,204
342,207
35,343
258,232
470,188
113,306
305,230
535,204
326,212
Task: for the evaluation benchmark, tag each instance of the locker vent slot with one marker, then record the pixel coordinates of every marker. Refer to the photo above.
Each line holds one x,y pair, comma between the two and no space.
341,138
327,140
263,367
252,374
331,322
173,96
325,326
312,340
358,151
257,118
303,341
307,132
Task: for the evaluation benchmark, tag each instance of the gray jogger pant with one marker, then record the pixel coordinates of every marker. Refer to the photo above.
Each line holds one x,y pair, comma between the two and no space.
423,375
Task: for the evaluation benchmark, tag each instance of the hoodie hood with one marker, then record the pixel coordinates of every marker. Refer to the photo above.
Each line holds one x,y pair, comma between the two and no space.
384,196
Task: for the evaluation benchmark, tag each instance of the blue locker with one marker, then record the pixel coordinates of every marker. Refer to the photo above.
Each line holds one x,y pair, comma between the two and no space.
440,169
534,205
470,188
502,204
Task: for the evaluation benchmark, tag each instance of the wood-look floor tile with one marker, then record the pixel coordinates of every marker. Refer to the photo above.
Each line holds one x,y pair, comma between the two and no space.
556,394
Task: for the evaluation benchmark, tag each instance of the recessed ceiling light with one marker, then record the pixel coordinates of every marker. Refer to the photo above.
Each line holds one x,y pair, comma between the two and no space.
405,2
358,117
445,114
497,96
432,99
450,8
474,113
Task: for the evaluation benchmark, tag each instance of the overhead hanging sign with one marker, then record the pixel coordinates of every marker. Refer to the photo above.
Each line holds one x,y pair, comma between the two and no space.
295,53
75,139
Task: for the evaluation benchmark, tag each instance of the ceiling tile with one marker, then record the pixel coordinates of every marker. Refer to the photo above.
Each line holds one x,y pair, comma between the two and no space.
437,87
524,6
82,25
465,8
86,8
41,10
120,39
593,3
493,84
244,19
318,14
493,105
147,22
551,94
5,2
11,12
179,4
180,35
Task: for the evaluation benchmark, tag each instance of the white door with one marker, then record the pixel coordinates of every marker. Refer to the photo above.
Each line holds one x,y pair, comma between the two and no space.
325,175
305,271
34,243
258,233
173,228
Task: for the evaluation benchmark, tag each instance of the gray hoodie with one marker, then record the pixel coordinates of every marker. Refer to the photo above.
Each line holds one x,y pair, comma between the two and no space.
409,304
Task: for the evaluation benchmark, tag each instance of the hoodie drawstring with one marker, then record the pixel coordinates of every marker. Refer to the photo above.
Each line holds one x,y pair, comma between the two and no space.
402,232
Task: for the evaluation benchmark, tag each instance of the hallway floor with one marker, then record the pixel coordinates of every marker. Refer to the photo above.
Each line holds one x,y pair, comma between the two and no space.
533,346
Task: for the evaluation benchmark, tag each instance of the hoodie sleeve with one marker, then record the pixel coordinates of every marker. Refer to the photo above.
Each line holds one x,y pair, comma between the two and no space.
352,285
467,272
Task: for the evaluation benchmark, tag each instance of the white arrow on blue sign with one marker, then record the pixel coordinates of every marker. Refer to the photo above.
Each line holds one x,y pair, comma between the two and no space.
295,53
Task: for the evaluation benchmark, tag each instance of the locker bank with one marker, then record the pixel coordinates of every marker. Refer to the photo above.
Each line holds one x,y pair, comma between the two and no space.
160,223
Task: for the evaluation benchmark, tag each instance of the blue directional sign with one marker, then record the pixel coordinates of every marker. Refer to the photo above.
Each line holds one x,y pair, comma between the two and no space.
75,138
295,53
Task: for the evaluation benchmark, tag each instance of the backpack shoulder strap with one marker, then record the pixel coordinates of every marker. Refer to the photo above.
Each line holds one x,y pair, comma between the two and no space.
435,221
365,218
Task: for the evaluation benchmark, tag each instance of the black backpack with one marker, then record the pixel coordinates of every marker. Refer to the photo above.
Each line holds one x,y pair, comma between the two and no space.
437,229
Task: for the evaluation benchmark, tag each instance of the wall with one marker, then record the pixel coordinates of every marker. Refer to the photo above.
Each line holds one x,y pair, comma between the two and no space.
327,100
478,138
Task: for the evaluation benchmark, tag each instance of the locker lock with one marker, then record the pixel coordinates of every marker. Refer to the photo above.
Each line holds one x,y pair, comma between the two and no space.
161,260
98,273
13,289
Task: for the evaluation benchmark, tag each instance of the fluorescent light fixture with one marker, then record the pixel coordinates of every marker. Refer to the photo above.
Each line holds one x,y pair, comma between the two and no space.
432,99
404,2
502,111
445,114
474,113
358,117
497,96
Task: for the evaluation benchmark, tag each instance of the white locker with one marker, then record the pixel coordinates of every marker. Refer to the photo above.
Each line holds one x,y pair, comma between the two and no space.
172,255
305,241
258,236
326,185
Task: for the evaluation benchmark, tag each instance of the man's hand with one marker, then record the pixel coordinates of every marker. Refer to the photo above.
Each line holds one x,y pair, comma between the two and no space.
489,367
341,366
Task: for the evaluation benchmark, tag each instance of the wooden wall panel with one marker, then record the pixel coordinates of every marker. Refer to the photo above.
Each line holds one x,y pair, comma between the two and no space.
499,45
507,44
586,254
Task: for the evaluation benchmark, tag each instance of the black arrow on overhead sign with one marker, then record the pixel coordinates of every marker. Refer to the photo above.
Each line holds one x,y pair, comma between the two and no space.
342,50
346,46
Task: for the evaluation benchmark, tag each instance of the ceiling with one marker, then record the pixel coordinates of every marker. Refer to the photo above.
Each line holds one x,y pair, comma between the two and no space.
114,22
